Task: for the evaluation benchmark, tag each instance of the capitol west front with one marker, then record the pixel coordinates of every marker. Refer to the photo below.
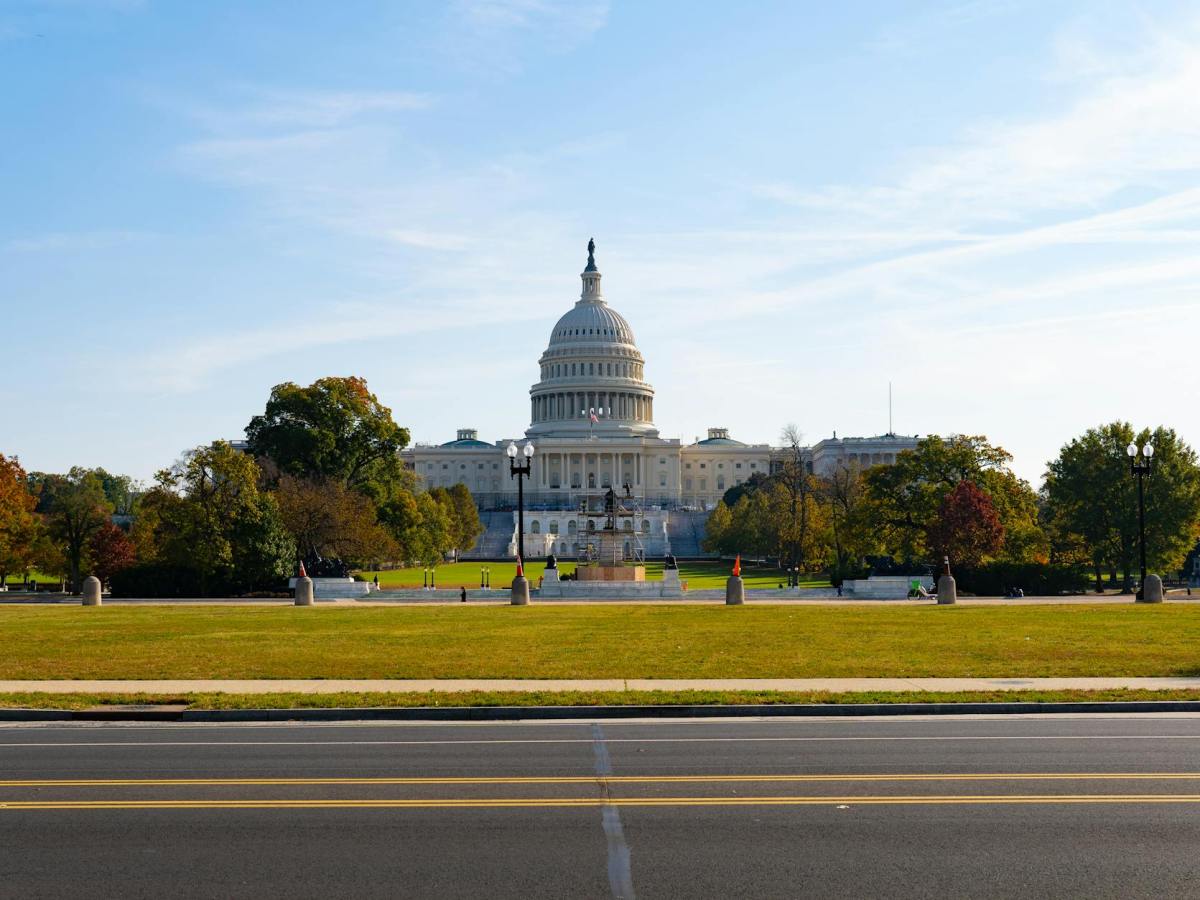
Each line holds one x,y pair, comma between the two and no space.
592,423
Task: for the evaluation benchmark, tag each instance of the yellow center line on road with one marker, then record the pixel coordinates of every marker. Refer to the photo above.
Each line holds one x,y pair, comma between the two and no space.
550,802
611,779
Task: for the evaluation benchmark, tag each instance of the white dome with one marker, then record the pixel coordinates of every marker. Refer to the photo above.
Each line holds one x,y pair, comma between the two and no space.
592,381
590,322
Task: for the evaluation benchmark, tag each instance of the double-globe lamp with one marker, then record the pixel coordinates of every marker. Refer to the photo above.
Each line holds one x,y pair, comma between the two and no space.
520,472
1139,465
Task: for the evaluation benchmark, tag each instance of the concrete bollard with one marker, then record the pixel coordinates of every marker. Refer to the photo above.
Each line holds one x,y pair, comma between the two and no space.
947,592
520,591
1152,590
304,591
91,591
735,591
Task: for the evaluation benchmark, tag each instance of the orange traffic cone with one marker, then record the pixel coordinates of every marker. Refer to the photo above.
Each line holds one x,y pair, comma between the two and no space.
737,566
303,574
520,568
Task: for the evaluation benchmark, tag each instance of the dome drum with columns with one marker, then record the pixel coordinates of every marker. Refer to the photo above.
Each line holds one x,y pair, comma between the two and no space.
592,424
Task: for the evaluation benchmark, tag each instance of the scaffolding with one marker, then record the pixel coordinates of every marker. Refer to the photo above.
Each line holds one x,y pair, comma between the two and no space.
619,541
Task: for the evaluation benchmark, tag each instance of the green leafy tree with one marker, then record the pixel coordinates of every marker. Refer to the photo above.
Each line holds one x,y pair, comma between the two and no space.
75,507
906,498
264,552
207,516
1091,498
421,526
717,529
756,481
851,532
466,526
334,429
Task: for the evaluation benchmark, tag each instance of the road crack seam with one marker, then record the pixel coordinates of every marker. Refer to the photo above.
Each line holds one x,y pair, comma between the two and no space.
620,876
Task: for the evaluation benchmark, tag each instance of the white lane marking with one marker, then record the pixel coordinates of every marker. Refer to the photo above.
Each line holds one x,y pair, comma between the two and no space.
620,876
666,740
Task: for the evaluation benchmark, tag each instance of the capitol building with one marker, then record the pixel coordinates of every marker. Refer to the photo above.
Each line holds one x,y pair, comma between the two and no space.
592,426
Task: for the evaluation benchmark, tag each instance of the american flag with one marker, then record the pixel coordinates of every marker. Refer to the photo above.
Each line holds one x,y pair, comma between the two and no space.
592,415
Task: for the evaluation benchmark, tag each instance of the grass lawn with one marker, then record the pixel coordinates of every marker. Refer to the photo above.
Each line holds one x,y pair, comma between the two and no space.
698,575
40,577
602,641
290,700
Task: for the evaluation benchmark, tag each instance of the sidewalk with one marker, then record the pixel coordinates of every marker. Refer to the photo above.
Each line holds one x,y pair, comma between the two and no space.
835,685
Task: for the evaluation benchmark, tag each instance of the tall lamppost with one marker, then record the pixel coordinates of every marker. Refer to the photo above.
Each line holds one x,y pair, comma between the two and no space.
1140,463
520,472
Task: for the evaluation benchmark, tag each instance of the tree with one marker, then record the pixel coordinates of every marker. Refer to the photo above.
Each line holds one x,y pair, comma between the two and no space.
420,526
466,526
76,508
756,481
19,526
906,498
968,529
121,491
334,429
110,550
1091,498
264,552
206,516
851,531
717,529
328,519
799,503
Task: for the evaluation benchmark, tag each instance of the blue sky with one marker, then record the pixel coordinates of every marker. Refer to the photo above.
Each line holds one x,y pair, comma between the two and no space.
993,205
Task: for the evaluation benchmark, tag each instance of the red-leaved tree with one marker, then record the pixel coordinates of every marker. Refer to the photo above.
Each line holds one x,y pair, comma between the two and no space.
111,551
967,529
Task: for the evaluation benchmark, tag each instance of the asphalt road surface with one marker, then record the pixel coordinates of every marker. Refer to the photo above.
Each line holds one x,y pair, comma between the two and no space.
940,807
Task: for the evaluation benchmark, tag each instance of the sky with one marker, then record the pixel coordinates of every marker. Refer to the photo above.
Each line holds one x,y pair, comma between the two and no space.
992,205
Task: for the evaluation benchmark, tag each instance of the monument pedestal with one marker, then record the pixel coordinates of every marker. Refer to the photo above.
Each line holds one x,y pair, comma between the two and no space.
610,564
670,583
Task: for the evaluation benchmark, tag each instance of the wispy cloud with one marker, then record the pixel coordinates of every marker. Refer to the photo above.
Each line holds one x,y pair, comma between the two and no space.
564,21
68,242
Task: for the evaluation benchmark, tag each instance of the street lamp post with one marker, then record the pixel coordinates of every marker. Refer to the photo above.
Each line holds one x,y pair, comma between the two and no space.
1140,464
520,472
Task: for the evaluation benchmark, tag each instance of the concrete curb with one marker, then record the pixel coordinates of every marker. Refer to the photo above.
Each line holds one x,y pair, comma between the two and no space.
587,713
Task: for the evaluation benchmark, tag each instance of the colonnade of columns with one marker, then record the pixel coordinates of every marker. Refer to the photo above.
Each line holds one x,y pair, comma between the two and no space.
608,405
559,470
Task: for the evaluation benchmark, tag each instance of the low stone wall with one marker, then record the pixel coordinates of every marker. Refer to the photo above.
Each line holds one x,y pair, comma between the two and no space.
884,587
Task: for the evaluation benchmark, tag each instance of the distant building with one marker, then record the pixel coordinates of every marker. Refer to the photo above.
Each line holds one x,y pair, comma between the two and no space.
592,423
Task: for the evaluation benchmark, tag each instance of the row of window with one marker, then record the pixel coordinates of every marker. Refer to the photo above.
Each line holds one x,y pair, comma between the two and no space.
612,370
721,465
535,527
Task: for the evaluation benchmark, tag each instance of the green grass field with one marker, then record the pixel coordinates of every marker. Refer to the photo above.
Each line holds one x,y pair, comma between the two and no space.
608,641
698,575
40,577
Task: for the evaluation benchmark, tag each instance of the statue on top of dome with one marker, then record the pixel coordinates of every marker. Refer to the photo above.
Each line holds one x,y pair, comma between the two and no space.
591,253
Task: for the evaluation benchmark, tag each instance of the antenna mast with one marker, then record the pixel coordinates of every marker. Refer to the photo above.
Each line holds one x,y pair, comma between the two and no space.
890,431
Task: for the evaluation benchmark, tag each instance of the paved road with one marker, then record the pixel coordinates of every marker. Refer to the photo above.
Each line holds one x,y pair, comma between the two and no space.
965,807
